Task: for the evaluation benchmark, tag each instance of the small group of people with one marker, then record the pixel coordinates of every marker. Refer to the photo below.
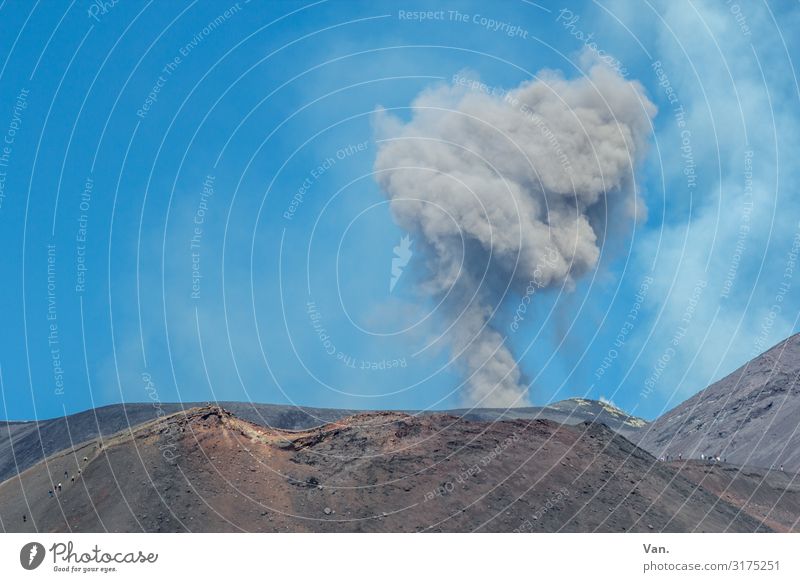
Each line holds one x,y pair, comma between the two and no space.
666,457
51,493
59,487
713,458
703,457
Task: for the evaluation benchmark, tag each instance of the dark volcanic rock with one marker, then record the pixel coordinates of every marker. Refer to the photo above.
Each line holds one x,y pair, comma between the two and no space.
24,443
571,411
207,470
750,417
772,497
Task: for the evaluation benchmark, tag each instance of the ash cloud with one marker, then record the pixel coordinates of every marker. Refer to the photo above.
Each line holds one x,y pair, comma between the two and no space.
504,188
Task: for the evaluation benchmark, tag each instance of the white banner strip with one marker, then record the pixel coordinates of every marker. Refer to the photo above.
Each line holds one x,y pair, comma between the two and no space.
379,557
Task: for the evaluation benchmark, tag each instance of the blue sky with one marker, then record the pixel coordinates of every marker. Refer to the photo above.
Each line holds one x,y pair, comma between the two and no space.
250,126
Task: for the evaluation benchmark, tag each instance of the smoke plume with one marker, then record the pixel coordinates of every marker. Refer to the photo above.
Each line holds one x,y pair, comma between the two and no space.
508,192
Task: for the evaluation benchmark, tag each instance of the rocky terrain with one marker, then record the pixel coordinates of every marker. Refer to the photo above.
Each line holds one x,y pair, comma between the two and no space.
751,417
568,466
207,470
23,444
571,411
772,497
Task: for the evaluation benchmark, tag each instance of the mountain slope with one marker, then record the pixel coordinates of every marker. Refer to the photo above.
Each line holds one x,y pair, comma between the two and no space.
772,497
571,411
751,417
23,444
370,472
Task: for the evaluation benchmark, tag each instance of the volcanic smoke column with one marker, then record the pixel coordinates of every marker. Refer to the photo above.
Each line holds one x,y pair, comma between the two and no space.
503,188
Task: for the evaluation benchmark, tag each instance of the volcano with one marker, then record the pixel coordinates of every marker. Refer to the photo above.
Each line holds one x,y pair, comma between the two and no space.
206,470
